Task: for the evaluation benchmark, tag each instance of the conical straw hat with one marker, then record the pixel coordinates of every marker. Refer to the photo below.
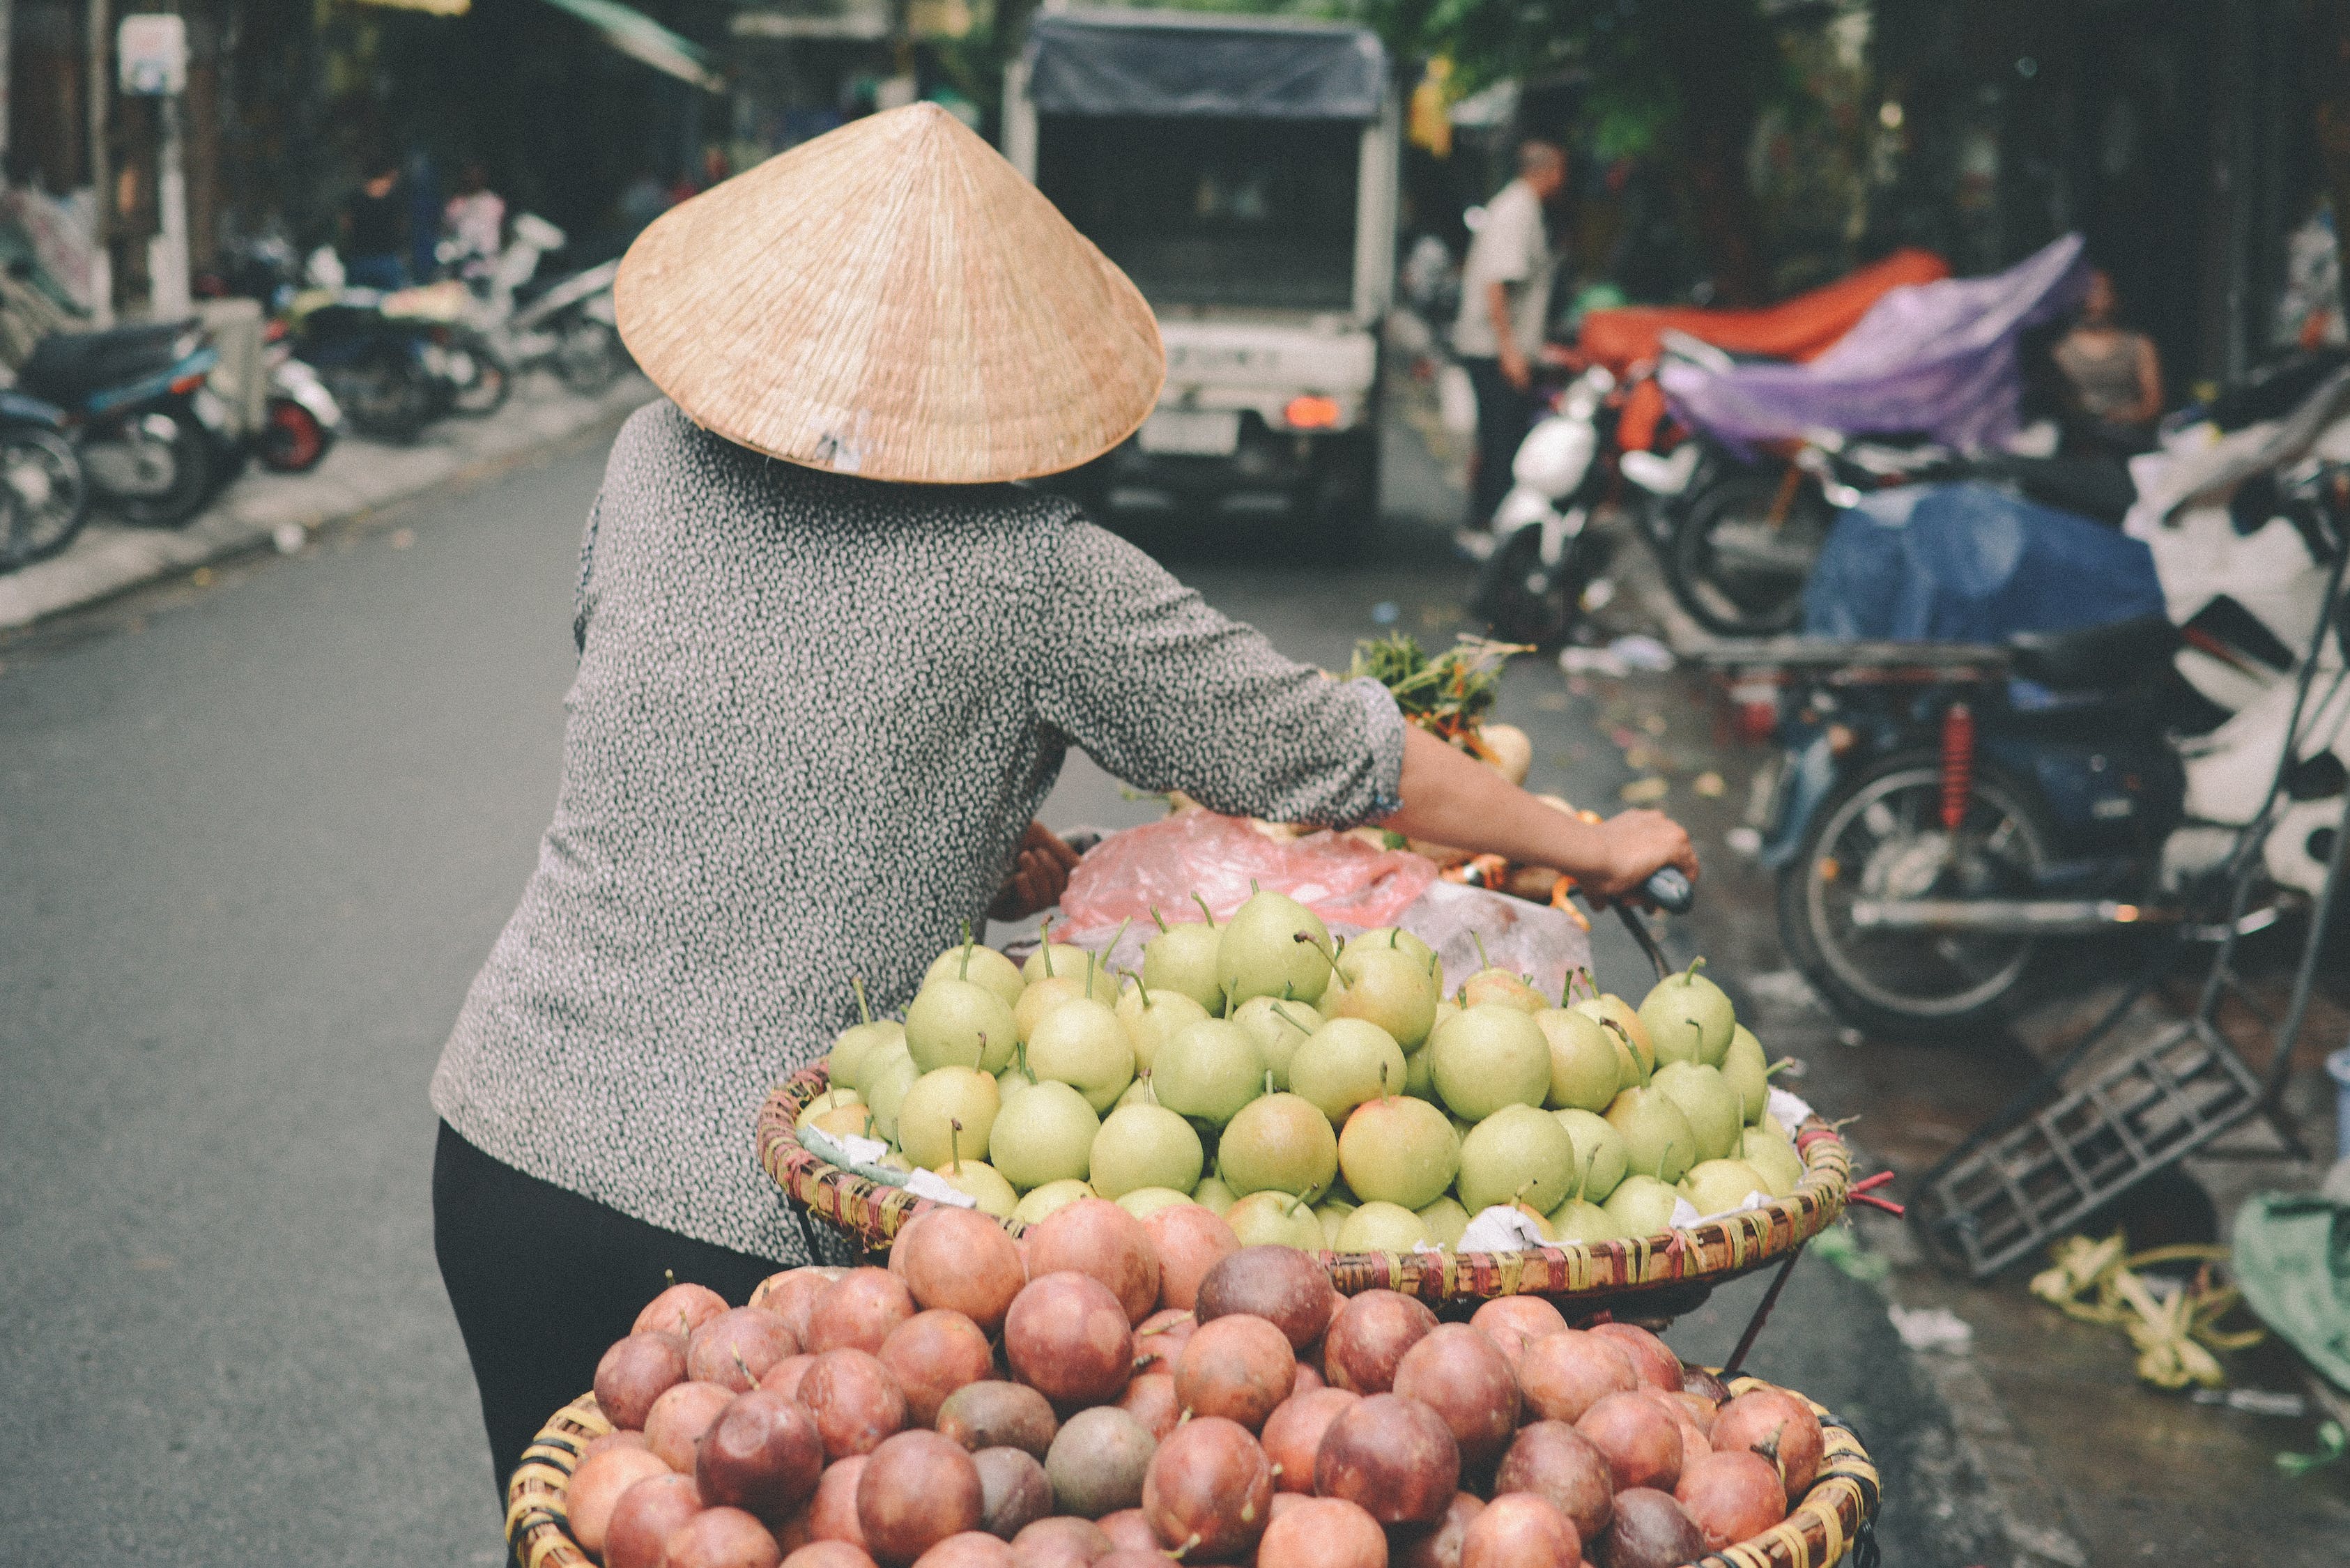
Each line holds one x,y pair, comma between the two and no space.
891,300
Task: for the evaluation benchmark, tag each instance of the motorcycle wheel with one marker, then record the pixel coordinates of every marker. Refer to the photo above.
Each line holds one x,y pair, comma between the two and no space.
588,357
43,496
292,439
1523,600
1738,568
388,397
1880,835
193,471
481,391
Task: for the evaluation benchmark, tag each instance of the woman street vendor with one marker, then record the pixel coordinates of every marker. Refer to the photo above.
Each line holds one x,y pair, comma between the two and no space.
831,657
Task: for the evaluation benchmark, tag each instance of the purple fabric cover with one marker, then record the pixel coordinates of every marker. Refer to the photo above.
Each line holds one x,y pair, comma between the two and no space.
1938,357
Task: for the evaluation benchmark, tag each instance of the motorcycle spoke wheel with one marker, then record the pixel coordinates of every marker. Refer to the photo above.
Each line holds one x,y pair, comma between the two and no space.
1744,552
1522,600
291,438
45,493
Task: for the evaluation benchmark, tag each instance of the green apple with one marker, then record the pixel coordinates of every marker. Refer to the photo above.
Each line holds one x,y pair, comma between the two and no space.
896,1080
1145,1145
1500,988
1719,1186
1345,1063
1332,1212
1270,1219
1385,986
1517,1154
1585,1073
1599,1149
985,1183
1688,1017
1744,1069
1274,946
1610,1009
1642,1206
1399,1150
1182,959
1211,1194
948,1112
1488,1057
1774,1158
1208,1071
1280,1143
1042,1202
829,1100
1144,1201
1042,1135
1082,1043
1657,1139
1277,1026
1705,1098
960,1023
981,966
1154,1017
1579,1220
1379,1227
1445,1219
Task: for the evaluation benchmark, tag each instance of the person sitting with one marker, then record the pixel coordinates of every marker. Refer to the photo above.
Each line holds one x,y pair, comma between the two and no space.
2114,376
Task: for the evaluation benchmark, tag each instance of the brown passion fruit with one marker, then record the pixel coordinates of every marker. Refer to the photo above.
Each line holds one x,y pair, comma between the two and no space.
1394,1456
1209,1492
1367,1338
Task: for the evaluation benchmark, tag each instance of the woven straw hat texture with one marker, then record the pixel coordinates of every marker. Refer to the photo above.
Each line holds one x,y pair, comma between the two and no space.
891,300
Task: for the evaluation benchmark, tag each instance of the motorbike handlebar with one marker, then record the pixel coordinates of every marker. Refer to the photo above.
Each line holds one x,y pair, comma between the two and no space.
1671,891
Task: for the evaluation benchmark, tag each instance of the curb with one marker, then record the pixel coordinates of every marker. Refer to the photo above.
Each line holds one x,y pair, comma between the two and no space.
358,476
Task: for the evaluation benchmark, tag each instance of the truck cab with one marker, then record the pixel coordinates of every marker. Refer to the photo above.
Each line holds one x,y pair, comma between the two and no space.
1242,173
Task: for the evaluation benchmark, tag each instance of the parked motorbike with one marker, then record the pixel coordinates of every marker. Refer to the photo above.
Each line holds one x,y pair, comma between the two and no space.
43,493
567,325
301,421
154,439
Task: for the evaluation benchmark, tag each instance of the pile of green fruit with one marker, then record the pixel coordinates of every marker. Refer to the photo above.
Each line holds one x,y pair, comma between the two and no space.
1315,1093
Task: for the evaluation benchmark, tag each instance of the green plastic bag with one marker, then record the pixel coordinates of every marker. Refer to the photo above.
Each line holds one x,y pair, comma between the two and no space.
2292,1260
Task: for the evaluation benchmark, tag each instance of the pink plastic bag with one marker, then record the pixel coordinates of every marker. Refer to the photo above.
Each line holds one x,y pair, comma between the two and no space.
1161,866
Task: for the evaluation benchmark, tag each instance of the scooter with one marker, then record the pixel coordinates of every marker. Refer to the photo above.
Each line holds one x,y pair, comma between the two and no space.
302,421
43,493
566,326
1544,561
154,439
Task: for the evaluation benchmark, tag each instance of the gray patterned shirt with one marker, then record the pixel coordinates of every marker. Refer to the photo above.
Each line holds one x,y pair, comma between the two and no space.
812,718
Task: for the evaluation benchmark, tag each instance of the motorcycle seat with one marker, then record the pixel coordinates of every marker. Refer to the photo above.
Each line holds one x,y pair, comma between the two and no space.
2118,654
68,367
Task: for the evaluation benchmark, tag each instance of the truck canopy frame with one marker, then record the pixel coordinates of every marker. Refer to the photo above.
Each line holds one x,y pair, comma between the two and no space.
1207,65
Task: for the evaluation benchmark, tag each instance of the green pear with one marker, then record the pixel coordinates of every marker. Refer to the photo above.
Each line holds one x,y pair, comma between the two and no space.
1580,1219
1145,1145
1445,1219
1043,1202
1705,1098
1599,1149
829,1100
890,1086
1401,940
1611,1008
1642,1206
1399,1150
1517,1154
1274,946
1420,1074
1488,1057
1657,1139
1144,1201
1280,1143
1688,1017
1082,1043
1748,1074
1379,1227
1042,1135
1719,1186
1056,959
1182,959
1154,1017
1584,1072
981,966
859,1041
1208,1072
869,1068
1212,1195
1345,1063
851,1120
1500,988
1273,1218
1385,986
1774,1158
1277,1026
960,1023
1332,1213
948,1110
985,1183
1137,1093
1015,1077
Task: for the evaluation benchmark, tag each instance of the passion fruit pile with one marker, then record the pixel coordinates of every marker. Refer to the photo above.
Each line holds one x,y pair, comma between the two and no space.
1314,1093
1081,1396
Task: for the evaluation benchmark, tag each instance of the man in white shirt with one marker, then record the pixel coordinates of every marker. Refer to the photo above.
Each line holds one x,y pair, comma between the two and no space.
1505,306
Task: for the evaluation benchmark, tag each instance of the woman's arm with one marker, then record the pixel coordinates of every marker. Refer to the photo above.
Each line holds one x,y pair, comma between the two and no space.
1451,798
2149,384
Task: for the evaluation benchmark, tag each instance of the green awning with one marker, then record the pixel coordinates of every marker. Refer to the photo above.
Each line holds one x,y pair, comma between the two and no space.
641,38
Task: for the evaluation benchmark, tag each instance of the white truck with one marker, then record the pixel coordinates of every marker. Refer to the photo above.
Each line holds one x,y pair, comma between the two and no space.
1242,173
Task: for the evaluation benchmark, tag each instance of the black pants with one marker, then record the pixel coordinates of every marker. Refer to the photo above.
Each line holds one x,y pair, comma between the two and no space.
1503,416
543,1280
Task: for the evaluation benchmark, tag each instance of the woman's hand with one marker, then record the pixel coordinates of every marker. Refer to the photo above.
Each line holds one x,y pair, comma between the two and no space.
1633,846
1039,872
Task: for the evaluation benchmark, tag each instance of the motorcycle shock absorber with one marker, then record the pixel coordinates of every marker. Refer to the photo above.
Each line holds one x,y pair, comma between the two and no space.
1958,764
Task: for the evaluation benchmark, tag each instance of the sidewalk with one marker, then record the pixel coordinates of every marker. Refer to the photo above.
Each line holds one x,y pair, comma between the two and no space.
261,508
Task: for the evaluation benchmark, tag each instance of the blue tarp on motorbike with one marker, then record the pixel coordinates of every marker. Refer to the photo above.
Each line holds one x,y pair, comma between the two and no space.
1971,563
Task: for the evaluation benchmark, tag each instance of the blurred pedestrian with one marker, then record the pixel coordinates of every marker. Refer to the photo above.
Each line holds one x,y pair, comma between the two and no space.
475,217
374,223
2115,375
1504,305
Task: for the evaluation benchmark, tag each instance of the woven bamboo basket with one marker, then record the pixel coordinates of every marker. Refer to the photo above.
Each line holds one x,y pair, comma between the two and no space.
1839,1509
1592,1273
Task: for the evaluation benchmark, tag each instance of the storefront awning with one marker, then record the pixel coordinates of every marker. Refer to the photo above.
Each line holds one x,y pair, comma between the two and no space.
641,38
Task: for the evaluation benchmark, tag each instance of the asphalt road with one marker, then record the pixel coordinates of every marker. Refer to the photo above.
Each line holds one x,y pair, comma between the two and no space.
255,834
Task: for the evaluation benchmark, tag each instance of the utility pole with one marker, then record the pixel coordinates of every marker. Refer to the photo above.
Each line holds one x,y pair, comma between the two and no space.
154,47
101,182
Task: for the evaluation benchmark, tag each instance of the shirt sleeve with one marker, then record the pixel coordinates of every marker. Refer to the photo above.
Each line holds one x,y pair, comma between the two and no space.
1167,693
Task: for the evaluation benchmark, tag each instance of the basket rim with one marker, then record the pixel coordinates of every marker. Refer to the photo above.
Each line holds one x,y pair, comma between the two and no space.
1842,1500
874,1212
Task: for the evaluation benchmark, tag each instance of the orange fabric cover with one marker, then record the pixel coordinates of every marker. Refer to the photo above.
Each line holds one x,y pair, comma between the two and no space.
1797,329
